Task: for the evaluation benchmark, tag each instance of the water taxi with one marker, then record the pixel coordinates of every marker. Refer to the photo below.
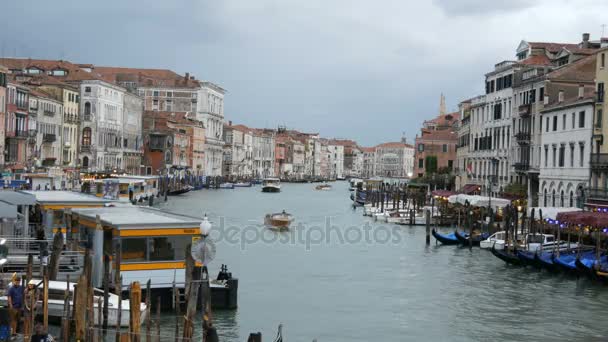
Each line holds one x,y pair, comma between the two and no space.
280,221
324,186
271,185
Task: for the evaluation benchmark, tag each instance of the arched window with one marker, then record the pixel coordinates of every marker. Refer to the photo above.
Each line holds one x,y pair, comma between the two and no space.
87,110
561,199
571,199
86,136
553,201
85,162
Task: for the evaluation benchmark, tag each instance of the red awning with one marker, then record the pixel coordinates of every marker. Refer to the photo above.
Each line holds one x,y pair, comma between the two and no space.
586,218
442,193
470,189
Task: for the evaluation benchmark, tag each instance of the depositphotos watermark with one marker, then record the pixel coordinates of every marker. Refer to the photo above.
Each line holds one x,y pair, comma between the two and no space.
304,235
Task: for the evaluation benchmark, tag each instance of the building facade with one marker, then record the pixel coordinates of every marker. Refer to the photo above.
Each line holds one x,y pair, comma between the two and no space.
210,110
263,153
132,136
436,145
46,126
15,146
394,159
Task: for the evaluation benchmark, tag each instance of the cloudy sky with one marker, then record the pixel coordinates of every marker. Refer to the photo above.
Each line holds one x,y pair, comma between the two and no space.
367,70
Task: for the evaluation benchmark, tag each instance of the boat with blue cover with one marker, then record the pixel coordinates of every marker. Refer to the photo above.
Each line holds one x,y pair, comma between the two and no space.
545,260
528,258
586,264
566,262
446,239
463,238
506,256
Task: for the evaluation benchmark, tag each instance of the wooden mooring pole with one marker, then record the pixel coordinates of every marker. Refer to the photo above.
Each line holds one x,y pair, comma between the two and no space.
428,227
134,311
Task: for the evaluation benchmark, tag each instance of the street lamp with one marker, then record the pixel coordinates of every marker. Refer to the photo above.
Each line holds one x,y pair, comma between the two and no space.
205,227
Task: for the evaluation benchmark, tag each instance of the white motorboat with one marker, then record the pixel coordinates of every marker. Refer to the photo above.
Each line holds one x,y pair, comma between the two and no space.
531,242
497,240
57,300
271,185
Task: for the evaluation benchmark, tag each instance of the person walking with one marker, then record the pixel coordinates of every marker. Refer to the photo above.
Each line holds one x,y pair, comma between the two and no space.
15,304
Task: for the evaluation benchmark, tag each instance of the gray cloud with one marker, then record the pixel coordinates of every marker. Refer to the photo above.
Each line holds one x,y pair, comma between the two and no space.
345,68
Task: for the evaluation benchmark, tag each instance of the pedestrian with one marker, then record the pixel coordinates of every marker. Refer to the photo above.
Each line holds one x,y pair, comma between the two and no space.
40,335
15,304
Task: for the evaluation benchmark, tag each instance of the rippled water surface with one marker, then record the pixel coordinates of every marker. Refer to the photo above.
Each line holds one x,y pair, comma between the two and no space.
348,288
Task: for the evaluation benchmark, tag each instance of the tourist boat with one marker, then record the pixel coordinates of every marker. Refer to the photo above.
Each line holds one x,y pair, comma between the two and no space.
446,239
226,186
496,240
184,189
323,187
280,221
271,185
463,238
56,303
243,184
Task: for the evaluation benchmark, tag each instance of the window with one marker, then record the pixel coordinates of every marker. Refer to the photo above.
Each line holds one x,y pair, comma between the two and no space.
420,147
134,249
87,90
547,125
600,92
564,122
541,94
444,148
546,155
582,158
86,136
554,123
554,156
581,119
168,247
562,152
545,198
571,155
602,60
450,164
87,110
156,93
553,196
571,199
420,163
169,105
598,119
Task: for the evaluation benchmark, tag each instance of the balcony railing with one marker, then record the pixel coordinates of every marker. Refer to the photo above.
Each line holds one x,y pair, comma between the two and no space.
523,137
49,113
521,167
599,160
48,138
598,193
525,110
21,134
85,148
49,161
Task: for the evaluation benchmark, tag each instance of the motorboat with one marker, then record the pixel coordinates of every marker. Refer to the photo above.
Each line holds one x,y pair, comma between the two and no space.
226,186
280,221
324,186
271,185
243,184
496,240
56,303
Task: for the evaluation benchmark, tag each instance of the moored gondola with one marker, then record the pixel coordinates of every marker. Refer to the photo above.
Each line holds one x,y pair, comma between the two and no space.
566,263
528,258
545,260
463,238
507,257
446,239
586,264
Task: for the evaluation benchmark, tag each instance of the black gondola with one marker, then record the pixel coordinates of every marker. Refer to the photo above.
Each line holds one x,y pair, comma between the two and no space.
545,260
507,257
448,239
464,239
529,258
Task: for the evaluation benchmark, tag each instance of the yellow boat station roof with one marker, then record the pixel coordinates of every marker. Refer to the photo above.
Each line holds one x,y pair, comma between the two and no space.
135,217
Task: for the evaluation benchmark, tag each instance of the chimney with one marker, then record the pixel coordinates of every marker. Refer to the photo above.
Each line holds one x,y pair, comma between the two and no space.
585,42
581,91
560,96
187,77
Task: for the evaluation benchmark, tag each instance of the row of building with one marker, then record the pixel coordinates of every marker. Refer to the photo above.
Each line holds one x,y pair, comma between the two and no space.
539,125
64,116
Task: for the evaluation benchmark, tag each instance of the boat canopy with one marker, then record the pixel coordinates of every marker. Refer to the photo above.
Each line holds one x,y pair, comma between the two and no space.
479,201
549,212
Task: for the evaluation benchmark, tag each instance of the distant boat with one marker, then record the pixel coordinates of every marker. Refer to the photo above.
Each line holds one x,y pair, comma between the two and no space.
280,221
183,190
243,184
271,185
446,239
226,186
323,187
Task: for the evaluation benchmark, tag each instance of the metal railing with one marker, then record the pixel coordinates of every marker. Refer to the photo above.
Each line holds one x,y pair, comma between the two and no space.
522,137
49,137
598,193
599,160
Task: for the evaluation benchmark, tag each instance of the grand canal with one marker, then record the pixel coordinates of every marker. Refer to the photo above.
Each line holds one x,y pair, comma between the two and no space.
343,277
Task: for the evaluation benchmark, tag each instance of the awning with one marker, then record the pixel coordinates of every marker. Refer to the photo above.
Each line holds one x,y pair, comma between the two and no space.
442,193
479,201
549,212
469,189
586,218
8,210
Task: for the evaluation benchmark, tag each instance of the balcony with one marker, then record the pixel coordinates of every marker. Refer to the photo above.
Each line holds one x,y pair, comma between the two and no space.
85,148
521,167
49,138
523,138
525,110
48,113
598,193
21,134
599,160
48,161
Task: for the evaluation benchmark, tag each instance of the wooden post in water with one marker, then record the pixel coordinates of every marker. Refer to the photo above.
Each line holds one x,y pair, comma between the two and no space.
106,292
191,290
45,300
158,304
255,337
117,276
55,255
134,310
176,308
30,266
80,307
469,222
119,312
148,318
428,227
65,322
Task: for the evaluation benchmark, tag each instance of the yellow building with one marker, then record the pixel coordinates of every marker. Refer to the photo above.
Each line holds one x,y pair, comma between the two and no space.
598,185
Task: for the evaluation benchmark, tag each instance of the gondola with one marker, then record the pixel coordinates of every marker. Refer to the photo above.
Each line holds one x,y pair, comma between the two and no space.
586,264
507,257
446,239
528,258
566,262
463,238
183,190
602,274
545,260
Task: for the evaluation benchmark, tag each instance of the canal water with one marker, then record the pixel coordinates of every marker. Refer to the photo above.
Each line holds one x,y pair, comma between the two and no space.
339,276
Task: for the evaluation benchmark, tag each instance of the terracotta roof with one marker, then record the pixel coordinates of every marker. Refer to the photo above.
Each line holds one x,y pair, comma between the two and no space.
588,95
75,73
41,93
394,145
445,134
536,60
368,149
551,47
240,128
580,70
342,142
146,77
